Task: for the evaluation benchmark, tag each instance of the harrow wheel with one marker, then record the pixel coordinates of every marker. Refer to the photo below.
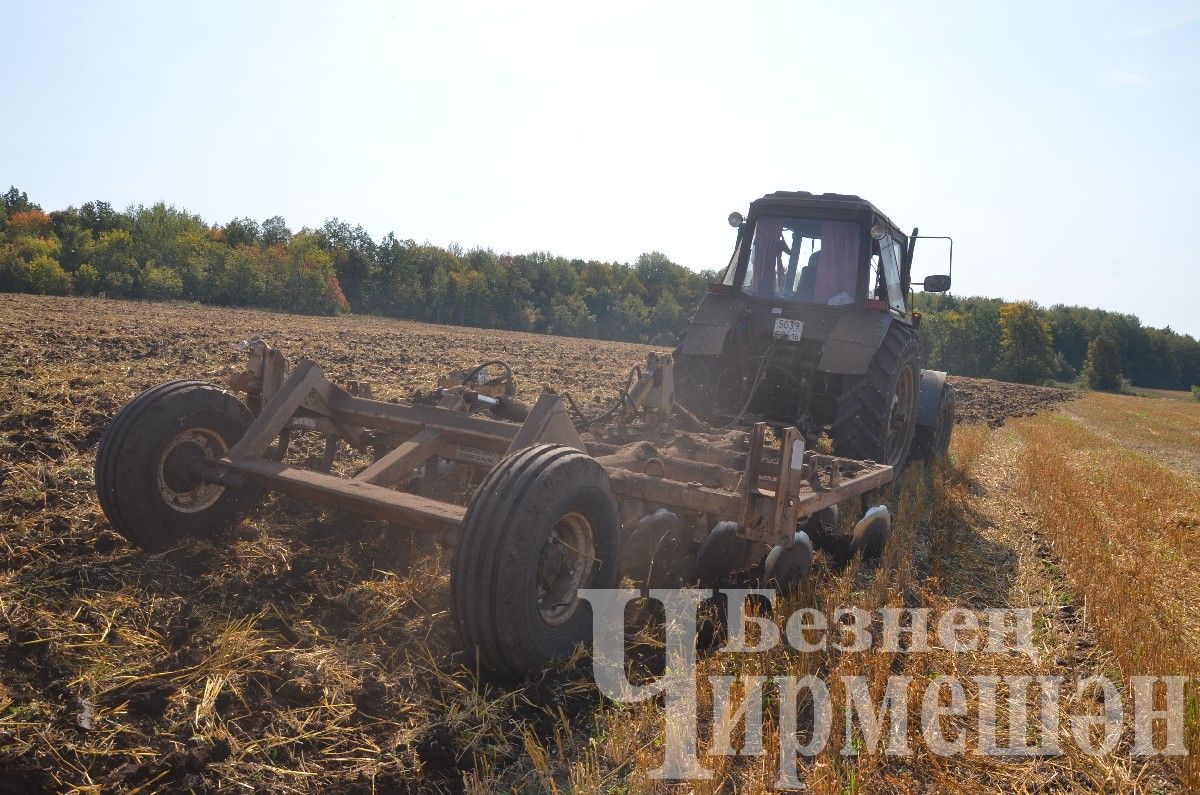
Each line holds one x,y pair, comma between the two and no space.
143,474
542,525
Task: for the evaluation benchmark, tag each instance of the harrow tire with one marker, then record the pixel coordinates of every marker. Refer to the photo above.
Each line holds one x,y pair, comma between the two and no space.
865,408
510,534
141,472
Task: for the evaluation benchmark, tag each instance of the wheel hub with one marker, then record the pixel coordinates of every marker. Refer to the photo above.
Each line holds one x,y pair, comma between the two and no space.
178,484
564,566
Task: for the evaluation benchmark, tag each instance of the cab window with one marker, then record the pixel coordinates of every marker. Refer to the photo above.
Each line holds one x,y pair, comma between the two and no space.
891,255
805,260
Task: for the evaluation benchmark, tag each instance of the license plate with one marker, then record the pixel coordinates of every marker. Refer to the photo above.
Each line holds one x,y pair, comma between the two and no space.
788,329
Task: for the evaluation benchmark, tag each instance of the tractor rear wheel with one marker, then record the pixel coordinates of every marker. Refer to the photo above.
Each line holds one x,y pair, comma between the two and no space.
877,412
542,525
143,470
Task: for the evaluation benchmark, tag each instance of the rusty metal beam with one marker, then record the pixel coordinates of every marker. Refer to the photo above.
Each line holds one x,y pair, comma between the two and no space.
675,494
494,435
275,414
376,502
860,484
408,456
547,423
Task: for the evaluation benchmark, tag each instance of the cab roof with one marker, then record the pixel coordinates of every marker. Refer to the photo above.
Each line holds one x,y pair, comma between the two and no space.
838,204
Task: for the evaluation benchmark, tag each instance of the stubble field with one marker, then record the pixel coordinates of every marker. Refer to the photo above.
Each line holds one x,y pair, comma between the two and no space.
311,651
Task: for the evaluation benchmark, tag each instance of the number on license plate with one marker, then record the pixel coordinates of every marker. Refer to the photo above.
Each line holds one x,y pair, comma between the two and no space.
788,329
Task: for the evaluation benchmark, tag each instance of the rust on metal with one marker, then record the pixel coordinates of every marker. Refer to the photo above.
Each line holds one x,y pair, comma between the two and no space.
765,485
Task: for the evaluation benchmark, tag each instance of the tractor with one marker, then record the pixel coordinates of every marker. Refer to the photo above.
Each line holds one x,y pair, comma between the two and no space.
812,326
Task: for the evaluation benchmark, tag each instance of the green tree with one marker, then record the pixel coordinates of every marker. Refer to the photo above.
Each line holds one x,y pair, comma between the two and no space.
160,283
1101,369
1026,347
439,291
305,279
657,273
354,259
86,279
469,293
569,317
99,217
77,245
964,337
120,275
242,232
199,256
665,320
631,317
243,280
45,276
275,231
159,232
16,201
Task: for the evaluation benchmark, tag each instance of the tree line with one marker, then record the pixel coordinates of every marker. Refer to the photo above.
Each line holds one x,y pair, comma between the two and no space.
161,252
989,338
164,253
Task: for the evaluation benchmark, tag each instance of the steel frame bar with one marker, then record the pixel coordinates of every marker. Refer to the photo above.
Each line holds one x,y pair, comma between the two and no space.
307,399
376,502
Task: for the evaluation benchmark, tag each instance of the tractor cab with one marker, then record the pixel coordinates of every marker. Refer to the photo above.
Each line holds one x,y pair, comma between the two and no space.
829,250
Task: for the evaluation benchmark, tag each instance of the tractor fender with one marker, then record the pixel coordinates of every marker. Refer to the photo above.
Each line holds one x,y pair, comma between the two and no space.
713,320
929,398
853,341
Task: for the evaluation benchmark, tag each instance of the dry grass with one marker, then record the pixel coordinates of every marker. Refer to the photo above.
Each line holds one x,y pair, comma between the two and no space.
311,652
1164,394
1127,530
946,553
306,651
1165,430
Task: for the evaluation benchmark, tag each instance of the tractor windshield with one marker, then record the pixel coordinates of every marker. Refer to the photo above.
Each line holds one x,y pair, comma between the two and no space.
804,259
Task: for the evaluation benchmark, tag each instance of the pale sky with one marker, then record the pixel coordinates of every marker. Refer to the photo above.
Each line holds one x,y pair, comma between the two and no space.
1059,143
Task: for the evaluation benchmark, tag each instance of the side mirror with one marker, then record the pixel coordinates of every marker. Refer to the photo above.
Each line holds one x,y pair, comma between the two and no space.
936,284
736,219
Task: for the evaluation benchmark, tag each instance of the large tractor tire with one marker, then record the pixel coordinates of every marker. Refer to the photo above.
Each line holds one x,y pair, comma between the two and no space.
143,466
542,525
877,412
933,441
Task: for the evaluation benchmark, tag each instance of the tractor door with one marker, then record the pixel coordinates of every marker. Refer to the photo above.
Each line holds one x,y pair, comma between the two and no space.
887,259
